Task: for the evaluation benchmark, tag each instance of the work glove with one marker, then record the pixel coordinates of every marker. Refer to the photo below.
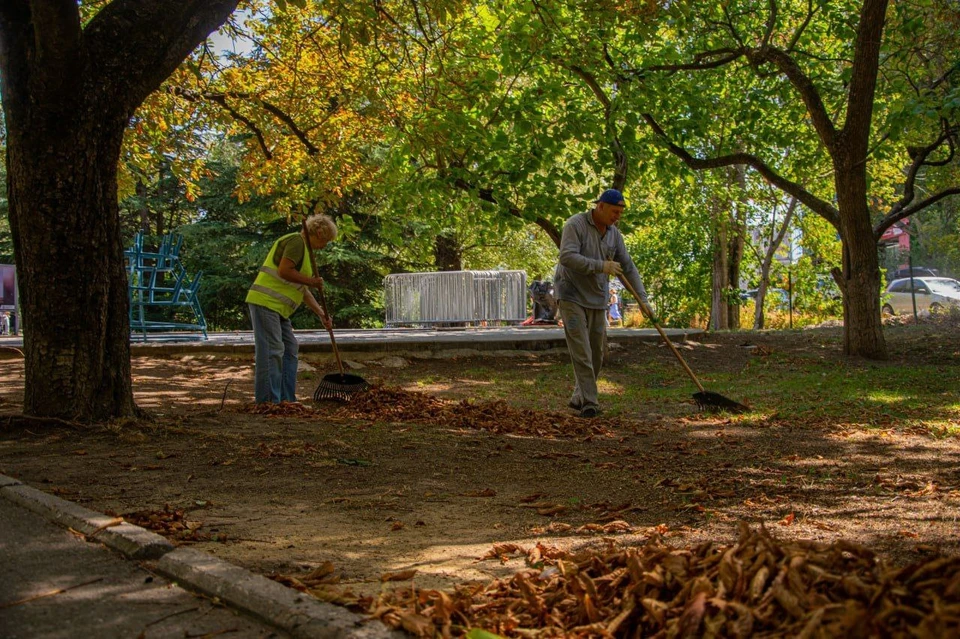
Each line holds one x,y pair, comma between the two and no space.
611,267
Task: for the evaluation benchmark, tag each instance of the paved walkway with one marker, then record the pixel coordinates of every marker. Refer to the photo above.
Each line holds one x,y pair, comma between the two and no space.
66,572
54,584
530,338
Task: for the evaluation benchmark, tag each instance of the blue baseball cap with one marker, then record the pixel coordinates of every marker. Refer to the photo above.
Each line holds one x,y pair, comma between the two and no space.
611,196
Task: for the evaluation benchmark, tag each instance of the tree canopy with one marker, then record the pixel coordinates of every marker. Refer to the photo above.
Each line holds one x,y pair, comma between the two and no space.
437,131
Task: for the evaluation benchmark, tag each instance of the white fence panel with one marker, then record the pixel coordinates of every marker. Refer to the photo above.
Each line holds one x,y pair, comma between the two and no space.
455,297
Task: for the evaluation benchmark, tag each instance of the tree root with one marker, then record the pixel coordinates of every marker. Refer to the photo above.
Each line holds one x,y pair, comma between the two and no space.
15,422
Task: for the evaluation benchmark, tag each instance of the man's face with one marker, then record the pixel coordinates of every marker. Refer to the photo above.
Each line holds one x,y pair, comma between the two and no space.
609,214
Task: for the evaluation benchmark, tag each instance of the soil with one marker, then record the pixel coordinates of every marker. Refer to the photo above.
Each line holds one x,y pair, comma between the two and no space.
386,493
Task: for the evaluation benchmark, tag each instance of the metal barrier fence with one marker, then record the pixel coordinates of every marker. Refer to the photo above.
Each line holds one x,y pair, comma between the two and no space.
456,297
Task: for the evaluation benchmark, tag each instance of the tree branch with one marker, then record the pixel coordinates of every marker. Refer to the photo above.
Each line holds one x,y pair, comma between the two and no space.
863,79
771,23
296,130
811,10
487,196
701,61
893,218
919,159
812,202
805,87
221,99
134,45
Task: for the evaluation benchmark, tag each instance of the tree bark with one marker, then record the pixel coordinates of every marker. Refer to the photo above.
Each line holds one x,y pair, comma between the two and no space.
863,333
64,212
68,94
737,241
720,269
447,254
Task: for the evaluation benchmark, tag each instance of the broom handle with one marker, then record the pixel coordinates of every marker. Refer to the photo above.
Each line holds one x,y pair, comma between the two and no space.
323,300
649,313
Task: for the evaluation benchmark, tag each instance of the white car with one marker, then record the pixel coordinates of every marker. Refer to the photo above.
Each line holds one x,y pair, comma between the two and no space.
933,294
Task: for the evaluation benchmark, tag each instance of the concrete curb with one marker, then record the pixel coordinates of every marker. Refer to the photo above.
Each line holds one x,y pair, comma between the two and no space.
300,615
131,541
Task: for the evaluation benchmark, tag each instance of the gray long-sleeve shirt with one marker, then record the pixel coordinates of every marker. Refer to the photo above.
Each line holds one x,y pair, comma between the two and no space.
579,277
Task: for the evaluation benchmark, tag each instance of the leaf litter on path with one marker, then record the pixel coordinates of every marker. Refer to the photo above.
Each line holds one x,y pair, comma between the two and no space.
759,586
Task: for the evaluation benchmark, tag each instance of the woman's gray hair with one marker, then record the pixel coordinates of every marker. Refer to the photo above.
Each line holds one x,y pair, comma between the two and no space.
322,225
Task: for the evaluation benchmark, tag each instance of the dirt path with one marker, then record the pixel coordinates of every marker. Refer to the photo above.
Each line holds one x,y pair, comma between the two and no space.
285,494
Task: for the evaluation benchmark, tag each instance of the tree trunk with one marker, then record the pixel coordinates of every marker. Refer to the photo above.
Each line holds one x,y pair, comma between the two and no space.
720,270
446,252
863,333
64,215
736,245
69,89
142,208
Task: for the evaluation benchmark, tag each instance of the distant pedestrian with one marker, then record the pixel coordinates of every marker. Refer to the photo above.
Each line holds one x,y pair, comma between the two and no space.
280,287
616,319
4,323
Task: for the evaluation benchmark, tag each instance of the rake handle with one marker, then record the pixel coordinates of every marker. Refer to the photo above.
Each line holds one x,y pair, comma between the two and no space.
323,300
649,313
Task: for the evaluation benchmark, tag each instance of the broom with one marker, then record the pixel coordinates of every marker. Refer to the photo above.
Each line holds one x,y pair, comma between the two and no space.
334,386
706,400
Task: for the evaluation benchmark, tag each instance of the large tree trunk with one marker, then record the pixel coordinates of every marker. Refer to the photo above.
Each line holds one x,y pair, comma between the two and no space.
64,214
69,91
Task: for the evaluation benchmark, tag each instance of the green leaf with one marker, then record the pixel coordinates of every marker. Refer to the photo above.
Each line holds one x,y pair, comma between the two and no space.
477,633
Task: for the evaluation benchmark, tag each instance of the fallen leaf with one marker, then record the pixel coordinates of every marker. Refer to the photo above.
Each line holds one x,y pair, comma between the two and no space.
402,575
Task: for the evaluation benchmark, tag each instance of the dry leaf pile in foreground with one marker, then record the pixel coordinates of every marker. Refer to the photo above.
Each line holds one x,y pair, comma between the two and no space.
759,587
395,405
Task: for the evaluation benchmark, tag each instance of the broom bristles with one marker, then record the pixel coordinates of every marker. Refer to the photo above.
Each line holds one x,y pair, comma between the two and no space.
708,400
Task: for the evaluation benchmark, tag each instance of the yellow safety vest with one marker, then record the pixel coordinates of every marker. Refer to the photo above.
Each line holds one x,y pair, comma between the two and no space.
274,292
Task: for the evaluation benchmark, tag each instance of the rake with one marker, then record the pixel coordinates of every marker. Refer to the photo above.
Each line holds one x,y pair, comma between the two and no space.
340,386
706,400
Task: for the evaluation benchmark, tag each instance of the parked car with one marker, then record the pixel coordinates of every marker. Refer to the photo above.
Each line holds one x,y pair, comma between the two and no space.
918,271
776,299
932,293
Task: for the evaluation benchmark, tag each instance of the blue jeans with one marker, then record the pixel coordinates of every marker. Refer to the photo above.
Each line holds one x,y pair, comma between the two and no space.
276,349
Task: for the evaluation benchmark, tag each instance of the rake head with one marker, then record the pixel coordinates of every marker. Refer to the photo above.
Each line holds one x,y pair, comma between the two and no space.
715,402
339,387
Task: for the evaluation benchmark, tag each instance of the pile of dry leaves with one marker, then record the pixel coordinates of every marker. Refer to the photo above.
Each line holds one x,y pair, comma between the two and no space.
173,524
283,409
396,405
759,586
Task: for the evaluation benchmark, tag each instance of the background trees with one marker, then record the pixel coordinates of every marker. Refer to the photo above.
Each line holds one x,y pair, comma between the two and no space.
443,134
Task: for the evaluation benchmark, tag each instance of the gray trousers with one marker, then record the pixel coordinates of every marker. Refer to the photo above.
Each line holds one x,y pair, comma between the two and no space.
586,333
